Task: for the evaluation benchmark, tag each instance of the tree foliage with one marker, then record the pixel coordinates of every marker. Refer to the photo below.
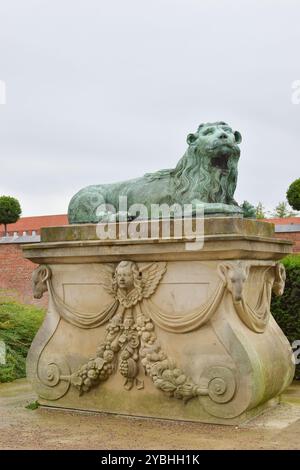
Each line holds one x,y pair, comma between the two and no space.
260,211
286,309
282,210
10,211
293,195
248,210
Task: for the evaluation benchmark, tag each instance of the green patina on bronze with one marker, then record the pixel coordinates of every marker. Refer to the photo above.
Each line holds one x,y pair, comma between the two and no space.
206,174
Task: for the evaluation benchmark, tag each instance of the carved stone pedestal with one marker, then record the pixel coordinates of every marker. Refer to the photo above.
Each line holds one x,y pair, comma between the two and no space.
153,327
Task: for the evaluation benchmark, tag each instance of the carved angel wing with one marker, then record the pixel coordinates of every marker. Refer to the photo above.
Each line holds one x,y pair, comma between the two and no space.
151,276
107,273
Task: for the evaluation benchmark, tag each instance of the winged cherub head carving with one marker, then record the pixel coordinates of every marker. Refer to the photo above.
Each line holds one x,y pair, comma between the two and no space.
127,276
131,283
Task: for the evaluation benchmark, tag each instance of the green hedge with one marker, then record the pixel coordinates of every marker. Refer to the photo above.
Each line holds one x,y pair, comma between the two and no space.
286,309
18,326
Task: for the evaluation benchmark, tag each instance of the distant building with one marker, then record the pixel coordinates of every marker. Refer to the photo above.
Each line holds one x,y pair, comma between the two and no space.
288,228
31,226
15,271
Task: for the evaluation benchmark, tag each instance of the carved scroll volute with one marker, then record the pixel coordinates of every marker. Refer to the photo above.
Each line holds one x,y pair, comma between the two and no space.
234,276
52,377
40,278
280,278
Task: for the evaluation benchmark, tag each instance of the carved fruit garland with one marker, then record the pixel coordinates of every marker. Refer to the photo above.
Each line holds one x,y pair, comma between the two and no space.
134,340
99,368
162,370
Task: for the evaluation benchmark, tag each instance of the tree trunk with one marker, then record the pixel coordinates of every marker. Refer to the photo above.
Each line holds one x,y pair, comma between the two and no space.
5,229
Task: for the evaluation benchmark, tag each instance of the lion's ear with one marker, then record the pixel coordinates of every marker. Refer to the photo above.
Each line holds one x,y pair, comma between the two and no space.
191,138
238,137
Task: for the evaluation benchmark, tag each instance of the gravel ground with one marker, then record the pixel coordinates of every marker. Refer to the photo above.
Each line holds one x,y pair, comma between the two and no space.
20,428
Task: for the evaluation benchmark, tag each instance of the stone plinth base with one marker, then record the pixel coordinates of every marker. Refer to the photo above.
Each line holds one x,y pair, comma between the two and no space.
159,327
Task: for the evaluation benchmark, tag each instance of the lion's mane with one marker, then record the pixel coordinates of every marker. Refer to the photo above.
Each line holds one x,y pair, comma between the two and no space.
195,175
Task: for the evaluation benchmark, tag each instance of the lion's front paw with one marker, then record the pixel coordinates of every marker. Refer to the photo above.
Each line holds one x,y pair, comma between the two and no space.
106,216
222,209
111,217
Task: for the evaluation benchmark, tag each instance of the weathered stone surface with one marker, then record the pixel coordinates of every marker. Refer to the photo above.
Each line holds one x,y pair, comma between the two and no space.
224,238
212,226
151,328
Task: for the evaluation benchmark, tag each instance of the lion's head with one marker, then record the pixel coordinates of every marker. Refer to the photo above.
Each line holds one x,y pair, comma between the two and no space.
208,169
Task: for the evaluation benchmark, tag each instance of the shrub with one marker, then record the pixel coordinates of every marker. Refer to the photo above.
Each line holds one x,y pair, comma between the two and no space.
18,326
249,210
293,195
10,211
286,309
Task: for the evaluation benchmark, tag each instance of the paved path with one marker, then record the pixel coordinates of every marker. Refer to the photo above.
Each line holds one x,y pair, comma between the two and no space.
20,428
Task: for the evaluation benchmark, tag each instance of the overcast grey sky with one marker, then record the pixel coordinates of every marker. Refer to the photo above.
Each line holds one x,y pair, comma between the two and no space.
100,91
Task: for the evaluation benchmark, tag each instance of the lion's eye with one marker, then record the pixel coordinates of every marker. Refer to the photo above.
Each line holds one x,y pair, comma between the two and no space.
208,131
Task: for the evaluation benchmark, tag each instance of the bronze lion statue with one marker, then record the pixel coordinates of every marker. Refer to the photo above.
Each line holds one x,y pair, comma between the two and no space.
206,174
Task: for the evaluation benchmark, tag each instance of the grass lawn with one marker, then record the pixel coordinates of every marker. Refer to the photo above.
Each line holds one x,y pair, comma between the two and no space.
18,326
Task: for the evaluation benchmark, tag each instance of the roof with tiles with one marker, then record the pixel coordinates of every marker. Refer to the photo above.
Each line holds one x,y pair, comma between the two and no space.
27,224
284,221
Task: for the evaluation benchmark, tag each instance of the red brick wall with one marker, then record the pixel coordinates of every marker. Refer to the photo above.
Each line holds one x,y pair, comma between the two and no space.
15,275
293,236
28,224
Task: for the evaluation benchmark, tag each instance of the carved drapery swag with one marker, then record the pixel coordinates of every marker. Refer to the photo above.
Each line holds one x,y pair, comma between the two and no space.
233,276
169,322
82,320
